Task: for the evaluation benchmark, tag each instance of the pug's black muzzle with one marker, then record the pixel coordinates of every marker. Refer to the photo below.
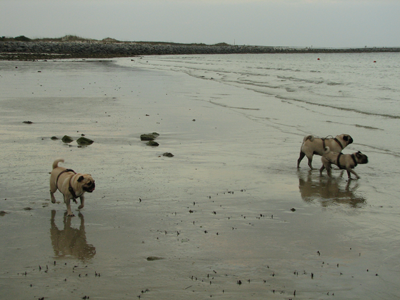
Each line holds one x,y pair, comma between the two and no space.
89,188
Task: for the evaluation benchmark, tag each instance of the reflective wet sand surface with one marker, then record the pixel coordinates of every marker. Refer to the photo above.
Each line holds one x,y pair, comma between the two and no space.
229,216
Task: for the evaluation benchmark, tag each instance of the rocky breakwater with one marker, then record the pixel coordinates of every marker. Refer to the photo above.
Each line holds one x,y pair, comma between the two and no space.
42,50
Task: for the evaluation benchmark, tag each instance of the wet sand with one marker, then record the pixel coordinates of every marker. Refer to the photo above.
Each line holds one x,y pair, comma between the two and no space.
228,217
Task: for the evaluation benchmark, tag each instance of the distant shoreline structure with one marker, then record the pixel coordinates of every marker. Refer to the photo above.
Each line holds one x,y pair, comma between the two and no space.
23,48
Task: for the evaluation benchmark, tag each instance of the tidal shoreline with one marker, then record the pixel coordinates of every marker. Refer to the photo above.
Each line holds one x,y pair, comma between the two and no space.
17,50
229,216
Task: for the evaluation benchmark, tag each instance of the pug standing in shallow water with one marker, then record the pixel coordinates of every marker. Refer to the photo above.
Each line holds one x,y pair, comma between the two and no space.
72,185
314,145
343,161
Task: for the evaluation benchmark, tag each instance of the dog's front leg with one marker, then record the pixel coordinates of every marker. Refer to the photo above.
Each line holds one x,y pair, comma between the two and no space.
68,203
82,202
320,170
352,171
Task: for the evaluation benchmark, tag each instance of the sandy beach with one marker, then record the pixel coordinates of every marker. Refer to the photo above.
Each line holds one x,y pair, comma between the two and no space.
228,216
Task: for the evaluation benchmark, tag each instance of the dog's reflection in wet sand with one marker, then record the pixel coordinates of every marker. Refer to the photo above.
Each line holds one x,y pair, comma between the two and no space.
328,191
70,242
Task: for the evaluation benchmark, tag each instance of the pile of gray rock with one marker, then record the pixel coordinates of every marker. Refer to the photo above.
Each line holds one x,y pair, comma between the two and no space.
9,49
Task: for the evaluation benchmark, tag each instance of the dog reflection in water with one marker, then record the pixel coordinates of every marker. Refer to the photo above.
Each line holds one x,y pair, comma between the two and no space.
329,191
70,242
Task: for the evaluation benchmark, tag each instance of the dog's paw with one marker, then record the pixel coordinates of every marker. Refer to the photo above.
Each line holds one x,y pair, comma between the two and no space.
71,214
81,206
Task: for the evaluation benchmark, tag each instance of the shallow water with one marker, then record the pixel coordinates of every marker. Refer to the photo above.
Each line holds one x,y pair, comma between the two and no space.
230,207
358,91
319,94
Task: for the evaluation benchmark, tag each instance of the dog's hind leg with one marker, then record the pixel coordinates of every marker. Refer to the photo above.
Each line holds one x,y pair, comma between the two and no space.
322,168
328,170
310,162
325,165
53,189
302,154
53,199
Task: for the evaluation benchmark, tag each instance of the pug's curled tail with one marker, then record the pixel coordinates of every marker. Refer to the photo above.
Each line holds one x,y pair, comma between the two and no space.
55,163
327,149
308,137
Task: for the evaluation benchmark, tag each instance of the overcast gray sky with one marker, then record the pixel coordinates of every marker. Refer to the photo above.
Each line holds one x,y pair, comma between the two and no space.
317,23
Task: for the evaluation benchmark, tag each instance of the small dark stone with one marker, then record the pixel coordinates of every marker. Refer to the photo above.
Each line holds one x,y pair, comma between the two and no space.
54,138
146,137
82,141
168,154
153,258
3,213
293,209
152,143
67,139
149,136
28,122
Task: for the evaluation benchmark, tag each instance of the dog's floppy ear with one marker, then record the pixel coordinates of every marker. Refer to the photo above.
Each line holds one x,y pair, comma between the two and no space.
80,178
